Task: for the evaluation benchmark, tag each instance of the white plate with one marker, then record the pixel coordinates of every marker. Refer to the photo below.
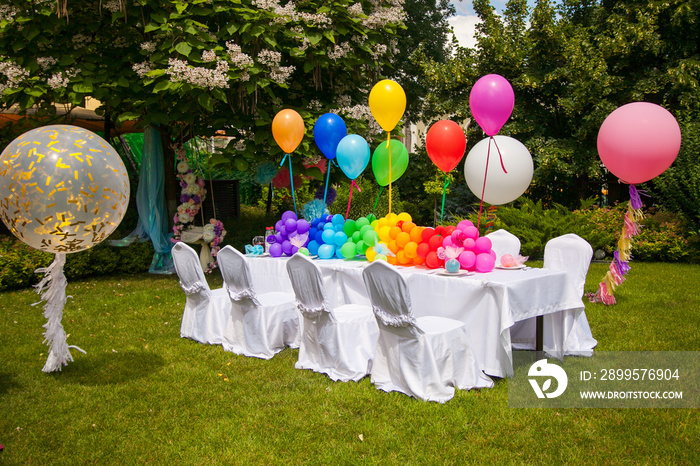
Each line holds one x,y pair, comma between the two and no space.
450,274
515,267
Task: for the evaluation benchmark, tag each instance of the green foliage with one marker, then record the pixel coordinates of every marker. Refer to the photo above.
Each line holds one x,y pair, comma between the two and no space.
663,236
18,262
363,203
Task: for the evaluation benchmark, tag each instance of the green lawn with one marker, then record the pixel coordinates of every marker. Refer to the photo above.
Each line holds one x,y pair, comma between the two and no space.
142,394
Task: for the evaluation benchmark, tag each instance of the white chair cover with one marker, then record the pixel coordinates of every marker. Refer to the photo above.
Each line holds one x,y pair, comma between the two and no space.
337,341
425,357
260,325
566,332
206,311
504,242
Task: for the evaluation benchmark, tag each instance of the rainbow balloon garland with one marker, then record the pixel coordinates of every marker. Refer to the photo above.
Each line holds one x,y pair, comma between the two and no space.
619,267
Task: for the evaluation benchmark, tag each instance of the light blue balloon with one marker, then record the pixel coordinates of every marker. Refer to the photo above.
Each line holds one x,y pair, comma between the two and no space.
352,155
340,238
328,236
326,251
338,253
329,226
338,220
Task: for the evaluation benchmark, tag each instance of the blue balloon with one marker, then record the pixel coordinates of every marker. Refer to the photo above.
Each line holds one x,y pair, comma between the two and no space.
318,237
326,251
328,235
353,155
338,220
313,247
329,129
315,222
340,238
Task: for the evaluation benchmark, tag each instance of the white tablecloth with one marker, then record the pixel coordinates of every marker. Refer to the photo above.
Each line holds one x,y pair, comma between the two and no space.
488,303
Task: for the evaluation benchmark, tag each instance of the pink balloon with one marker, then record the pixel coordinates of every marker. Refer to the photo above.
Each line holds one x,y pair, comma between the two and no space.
464,224
447,241
482,245
467,259
484,263
469,244
491,102
471,232
639,141
507,260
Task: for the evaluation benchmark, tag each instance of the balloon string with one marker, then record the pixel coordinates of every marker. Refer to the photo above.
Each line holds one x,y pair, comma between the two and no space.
352,184
291,183
388,144
444,189
483,190
499,154
328,175
377,201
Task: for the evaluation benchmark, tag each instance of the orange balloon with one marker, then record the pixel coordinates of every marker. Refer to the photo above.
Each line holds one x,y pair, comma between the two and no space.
418,260
394,232
393,247
391,260
416,234
408,226
411,250
402,259
402,239
288,130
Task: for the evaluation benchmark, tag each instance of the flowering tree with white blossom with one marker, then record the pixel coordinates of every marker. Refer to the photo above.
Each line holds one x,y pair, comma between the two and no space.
201,66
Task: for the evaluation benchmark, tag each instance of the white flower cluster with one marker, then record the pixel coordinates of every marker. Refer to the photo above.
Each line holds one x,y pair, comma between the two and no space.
240,59
14,74
46,62
266,4
379,50
361,112
339,51
62,78
317,19
356,9
180,71
311,159
343,100
142,68
7,12
80,41
272,59
305,42
383,16
315,105
148,46
113,6
208,56
281,74
269,58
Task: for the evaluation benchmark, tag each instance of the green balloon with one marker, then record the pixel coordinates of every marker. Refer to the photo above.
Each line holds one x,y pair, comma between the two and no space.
365,229
356,236
371,218
370,237
380,161
350,227
362,221
361,247
348,250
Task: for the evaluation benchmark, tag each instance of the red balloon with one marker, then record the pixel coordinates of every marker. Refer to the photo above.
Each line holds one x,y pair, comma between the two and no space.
448,230
432,260
445,143
422,250
427,234
435,242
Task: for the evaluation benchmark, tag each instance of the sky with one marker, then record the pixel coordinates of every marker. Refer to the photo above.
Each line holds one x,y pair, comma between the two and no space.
465,21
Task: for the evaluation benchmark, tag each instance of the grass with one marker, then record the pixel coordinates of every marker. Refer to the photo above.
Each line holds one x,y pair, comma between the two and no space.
142,395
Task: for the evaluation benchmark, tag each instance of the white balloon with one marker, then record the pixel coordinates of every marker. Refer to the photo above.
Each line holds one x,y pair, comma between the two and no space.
62,188
501,187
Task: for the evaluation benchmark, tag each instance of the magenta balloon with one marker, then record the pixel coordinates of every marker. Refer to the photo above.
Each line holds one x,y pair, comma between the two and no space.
482,244
467,259
491,102
447,241
468,244
639,141
464,224
471,232
484,262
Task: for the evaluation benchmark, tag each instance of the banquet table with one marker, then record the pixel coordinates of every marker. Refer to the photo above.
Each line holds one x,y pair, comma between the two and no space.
488,303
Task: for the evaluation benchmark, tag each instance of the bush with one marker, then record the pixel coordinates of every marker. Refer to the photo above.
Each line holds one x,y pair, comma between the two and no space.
18,262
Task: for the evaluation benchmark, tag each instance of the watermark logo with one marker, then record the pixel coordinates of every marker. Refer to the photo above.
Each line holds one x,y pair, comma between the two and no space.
542,369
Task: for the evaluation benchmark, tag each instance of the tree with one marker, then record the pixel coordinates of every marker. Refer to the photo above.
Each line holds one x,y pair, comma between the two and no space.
197,67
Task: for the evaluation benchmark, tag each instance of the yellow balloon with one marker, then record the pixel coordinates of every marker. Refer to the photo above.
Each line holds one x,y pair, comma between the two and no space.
387,102
288,130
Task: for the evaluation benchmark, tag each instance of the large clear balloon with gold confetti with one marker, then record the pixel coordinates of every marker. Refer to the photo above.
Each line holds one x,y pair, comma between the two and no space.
63,188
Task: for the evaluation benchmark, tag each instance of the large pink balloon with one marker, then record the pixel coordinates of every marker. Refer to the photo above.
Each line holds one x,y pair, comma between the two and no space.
491,102
639,141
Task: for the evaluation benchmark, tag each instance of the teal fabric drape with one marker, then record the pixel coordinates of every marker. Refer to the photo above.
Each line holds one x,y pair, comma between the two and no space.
150,202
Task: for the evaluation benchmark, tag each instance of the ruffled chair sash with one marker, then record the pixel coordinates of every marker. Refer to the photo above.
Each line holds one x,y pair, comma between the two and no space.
238,296
391,320
312,313
192,290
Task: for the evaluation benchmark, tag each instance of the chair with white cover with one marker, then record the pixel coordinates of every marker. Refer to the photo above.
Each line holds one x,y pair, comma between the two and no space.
260,325
425,357
206,311
504,242
566,332
338,341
